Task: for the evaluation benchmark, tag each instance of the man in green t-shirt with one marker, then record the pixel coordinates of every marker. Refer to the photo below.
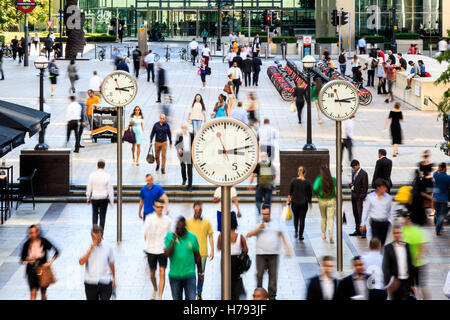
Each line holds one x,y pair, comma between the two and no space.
182,248
417,239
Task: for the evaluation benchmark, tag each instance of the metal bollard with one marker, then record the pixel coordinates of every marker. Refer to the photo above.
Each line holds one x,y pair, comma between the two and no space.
95,51
110,52
267,50
167,53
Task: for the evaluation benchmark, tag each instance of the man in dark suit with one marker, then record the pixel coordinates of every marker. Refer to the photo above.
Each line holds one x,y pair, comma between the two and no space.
238,59
183,144
359,186
397,267
161,82
383,169
354,285
247,70
323,286
256,68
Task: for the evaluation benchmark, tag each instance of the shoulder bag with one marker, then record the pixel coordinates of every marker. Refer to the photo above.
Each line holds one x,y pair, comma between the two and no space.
45,276
129,135
150,156
227,88
244,259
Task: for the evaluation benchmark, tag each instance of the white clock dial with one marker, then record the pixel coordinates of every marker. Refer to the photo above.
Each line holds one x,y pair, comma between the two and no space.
338,100
225,151
119,88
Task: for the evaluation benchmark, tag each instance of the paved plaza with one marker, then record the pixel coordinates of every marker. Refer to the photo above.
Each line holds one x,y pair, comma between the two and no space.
68,225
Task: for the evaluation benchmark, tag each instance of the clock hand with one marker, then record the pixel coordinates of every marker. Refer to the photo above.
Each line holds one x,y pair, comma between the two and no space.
123,89
335,91
218,135
346,101
238,153
117,84
235,150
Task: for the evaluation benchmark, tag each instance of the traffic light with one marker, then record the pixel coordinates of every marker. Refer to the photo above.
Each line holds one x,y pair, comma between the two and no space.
274,17
263,17
268,19
334,18
344,18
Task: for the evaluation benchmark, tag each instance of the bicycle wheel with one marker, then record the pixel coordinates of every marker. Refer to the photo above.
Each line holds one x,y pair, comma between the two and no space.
100,56
156,57
286,95
365,99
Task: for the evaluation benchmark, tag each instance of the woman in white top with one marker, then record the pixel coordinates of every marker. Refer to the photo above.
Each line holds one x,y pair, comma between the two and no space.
36,40
197,113
355,63
230,57
137,123
238,246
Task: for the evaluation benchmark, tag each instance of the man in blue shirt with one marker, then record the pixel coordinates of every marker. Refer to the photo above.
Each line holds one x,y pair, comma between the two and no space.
161,131
440,195
362,45
123,66
149,193
239,113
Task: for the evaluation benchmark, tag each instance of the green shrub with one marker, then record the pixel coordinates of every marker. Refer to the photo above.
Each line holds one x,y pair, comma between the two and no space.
407,36
288,39
2,39
327,40
376,38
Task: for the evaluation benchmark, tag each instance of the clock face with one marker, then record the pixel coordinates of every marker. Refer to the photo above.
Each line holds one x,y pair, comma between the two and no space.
225,151
338,100
119,88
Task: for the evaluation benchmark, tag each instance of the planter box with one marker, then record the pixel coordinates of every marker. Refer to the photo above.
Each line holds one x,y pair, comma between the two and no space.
332,48
403,45
292,48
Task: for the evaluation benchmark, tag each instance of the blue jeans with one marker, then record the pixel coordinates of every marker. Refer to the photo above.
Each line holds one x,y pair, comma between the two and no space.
200,284
441,212
196,125
177,286
343,68
262,193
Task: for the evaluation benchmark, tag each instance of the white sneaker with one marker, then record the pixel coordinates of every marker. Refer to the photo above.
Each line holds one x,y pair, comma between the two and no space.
153,295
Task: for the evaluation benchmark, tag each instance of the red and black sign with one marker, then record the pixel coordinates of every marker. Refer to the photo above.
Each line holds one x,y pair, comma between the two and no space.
26,5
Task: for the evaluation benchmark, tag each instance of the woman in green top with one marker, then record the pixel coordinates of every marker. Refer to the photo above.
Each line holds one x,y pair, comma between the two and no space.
325,188
315,96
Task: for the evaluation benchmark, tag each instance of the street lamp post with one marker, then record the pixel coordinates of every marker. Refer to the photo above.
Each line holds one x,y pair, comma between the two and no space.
308,63
41,64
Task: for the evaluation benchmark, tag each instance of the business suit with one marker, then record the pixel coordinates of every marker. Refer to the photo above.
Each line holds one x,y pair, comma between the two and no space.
390,269
383,170
161,82
314,291
247,68
185,158
256,68
346,289
359,193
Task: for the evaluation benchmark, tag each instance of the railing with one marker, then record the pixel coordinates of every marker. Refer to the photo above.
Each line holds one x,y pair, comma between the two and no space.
6,193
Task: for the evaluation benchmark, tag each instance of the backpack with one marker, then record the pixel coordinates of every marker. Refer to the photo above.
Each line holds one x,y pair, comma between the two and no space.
374,64
265,177
341,58
208,70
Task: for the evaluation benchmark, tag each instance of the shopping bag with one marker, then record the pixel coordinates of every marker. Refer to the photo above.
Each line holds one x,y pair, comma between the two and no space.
293,108
150,156
129,136
286,213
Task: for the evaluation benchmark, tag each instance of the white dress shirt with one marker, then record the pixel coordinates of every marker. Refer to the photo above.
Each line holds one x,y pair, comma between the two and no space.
360,286
186,142
73,111
206,52
156,229
373,264
218,194
240,114
402,257
97,266
231,56
267,135
150,58
99,186
268,240
347,128
236,72
95,83
327,286
193,45
376,208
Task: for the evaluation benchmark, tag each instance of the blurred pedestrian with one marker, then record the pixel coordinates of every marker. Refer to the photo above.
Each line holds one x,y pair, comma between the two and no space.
21,51
238,247
391,78
206,54
48,45
15,47
201,227
202,70
148,195
414,72
53,71
156,227
182,248
36,41
231,94
300,195
73,76
239,113
237,77
377,208
92,103
323,286
247,69
1,62
446,288
283,46
256,68
161,81
440,195
150,65
359,187
137,54
269,236
34,256
347,137
73,118
230,57
193,48
372,65
362,45
373,264
299,97
95,83
317,86
100,275
383,169
183,144
252,110
122,65
398,270
325,188
197,113
420,199
381,75
137,123
355,64
217,199
120,32
256,48
266,174
161,132
395,117
99,192
354,286
342,59
267,136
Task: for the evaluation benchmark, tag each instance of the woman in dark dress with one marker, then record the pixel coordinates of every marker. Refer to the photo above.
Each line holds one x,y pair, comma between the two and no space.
299,98
34,255
300,195
395,116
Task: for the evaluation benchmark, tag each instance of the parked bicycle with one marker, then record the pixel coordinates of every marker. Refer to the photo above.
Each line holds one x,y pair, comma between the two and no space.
7,51
101,53
182,54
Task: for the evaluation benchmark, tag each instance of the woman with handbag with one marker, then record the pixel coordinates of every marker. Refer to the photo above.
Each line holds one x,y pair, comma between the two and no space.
197,113
73,76
221,107
137,122
34,255
239,249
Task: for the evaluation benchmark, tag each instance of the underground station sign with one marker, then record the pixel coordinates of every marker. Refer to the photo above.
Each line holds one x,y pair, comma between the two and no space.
26,5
